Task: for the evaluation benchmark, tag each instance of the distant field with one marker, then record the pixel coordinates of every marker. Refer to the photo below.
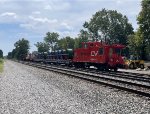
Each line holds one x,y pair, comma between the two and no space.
1,65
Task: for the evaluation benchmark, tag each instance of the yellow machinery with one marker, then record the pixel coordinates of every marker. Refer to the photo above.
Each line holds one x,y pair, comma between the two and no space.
134,62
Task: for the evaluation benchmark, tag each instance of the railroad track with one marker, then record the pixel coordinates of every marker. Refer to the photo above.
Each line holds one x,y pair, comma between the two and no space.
135,83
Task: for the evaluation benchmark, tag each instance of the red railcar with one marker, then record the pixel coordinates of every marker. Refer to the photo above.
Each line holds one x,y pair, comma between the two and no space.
101,55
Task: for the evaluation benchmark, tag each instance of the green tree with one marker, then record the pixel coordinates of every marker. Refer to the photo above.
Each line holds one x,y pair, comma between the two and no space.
42,47
51,39
9,56
78,42
66,43
21,49
112,25
14,53
135,43
1,53
84,35
144,26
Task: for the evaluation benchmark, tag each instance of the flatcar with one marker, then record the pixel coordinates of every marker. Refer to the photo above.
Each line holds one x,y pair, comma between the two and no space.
35,57
63,57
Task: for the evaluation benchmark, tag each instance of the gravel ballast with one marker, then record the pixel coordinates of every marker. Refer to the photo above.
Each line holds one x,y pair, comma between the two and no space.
25,90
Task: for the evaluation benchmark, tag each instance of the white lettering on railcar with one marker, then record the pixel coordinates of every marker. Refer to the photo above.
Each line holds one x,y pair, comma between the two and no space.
94,53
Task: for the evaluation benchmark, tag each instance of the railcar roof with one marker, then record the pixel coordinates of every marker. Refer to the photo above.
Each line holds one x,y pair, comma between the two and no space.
97,44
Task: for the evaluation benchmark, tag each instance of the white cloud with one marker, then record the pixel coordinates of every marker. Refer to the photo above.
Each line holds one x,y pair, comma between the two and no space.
66,26
68,33
40,24
27,26
11,14
48,7
2,1
36,12
57,6
119,1
9,17
43,20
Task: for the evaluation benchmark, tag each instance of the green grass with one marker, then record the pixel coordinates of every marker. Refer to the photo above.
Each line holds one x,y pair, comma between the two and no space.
1,65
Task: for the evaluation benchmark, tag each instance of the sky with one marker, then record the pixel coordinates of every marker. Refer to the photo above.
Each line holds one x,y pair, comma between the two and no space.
32,19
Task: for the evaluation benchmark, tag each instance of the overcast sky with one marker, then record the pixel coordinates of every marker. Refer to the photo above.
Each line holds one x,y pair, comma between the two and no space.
31,19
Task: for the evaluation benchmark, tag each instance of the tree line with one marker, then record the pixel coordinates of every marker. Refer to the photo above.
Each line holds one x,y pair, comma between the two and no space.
105,25
1,53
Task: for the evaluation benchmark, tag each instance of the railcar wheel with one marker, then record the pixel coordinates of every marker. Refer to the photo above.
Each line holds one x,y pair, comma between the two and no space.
106,69
115,69
141,66
77,65
100,68
131,66
86,65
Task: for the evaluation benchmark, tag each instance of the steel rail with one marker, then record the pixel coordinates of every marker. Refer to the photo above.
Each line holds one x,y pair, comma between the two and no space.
90,77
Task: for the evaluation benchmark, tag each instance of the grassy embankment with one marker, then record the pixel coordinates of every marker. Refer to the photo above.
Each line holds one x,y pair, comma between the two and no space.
1,65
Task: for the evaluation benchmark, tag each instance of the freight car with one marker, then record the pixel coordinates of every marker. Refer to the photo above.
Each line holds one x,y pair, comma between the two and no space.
36,57
63,57
98,54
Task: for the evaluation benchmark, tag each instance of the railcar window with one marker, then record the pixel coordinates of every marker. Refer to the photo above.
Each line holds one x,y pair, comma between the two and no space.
118,51
91,45
125,52
110,52
85,45
101,51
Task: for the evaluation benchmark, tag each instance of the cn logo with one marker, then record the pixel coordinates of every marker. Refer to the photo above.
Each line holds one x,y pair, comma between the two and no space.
94,53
